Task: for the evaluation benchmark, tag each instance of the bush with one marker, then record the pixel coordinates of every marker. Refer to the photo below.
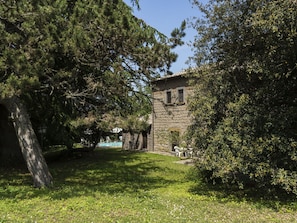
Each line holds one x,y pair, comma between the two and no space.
244,149
245,107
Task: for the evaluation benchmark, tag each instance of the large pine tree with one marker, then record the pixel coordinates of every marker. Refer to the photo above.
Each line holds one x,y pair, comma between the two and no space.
89,54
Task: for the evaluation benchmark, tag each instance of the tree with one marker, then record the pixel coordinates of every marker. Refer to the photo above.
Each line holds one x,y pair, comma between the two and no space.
85,54
245,104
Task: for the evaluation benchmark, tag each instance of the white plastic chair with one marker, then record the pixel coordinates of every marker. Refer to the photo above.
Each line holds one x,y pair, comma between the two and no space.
178,151
190,152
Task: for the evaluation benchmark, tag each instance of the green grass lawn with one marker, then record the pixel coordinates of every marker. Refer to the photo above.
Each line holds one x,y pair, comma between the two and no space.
110,185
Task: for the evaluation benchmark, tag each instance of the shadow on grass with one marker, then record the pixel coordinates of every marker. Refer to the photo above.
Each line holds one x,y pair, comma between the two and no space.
259,197
109,171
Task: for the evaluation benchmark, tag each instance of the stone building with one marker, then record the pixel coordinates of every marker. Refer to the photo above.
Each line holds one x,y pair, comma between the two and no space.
170,117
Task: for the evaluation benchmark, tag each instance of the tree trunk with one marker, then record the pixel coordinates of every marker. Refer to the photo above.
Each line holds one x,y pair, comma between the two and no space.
28,142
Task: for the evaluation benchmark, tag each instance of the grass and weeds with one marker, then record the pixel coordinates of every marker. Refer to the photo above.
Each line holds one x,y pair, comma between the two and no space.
110,185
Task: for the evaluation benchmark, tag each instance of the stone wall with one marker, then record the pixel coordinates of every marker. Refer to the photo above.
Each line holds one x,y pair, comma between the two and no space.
170,120
136,140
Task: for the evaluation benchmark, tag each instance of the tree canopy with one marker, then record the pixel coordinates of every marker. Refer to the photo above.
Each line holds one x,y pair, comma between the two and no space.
94,55
78,49
245,104
70,58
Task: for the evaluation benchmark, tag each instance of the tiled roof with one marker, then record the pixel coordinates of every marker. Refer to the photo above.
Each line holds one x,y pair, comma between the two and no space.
181,73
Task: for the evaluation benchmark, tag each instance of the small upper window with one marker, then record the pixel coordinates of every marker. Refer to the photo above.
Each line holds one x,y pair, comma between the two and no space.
180,95
168,97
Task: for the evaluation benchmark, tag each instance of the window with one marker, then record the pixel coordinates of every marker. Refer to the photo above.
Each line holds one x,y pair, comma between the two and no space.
168,97
180,93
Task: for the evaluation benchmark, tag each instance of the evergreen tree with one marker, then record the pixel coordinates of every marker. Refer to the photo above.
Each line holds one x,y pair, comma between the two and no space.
85,54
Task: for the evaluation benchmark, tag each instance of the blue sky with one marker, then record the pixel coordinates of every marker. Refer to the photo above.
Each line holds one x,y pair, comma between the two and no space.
165,15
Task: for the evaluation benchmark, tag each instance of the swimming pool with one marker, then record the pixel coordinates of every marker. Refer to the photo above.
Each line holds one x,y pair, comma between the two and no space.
110,144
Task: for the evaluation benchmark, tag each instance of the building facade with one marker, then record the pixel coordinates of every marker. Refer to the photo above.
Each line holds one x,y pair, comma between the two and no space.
170,118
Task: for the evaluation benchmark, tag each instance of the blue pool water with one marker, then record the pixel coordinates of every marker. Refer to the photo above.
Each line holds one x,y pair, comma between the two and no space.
110,144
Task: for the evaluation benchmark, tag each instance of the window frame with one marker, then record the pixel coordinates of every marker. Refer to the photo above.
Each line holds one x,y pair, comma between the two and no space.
181,96
168,97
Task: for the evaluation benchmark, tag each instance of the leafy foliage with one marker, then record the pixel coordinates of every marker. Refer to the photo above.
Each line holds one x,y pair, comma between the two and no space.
246,97
78,57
